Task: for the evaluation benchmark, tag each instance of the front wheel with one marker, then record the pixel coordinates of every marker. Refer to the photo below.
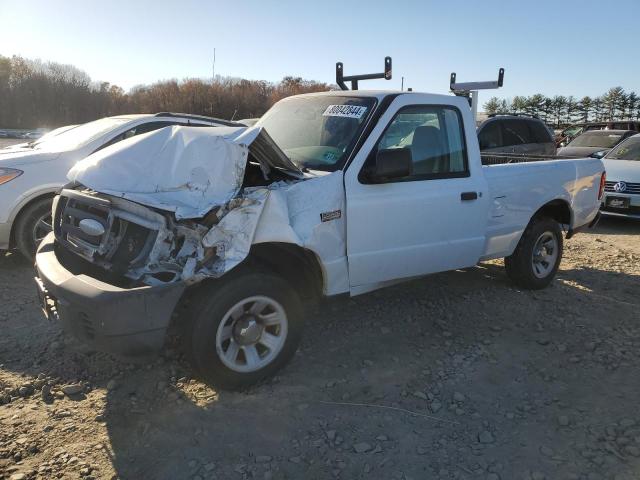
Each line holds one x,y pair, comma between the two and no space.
537,257
33,224
243,329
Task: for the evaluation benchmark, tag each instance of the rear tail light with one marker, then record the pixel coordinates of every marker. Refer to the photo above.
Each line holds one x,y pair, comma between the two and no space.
603,179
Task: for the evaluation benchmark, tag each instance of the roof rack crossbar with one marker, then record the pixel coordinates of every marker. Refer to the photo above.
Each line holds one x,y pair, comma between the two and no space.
341,79
464,88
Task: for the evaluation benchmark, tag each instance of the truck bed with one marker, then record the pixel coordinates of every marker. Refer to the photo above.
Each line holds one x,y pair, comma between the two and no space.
519,185
502,158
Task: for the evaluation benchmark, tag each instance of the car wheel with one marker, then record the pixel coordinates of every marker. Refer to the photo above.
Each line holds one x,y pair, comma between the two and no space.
32,225
537,257
242,329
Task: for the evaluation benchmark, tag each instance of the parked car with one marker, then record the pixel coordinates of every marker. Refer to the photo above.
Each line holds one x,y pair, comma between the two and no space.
594,143
572,131
323,196
516,134
622,189
43,138
29,177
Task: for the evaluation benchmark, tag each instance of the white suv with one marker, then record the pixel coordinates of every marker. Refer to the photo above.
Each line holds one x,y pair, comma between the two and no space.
29,177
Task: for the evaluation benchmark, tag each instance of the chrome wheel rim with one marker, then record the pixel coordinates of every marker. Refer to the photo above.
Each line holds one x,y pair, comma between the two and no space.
251,334
545,254
41,228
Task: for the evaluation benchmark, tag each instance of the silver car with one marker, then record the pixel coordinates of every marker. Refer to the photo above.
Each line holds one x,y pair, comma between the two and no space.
516,134
595,143
622,189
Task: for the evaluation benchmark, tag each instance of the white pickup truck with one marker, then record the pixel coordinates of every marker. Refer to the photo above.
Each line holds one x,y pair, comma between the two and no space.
235,229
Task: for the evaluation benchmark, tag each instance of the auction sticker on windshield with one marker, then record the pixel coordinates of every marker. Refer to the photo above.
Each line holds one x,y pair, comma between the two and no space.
347,111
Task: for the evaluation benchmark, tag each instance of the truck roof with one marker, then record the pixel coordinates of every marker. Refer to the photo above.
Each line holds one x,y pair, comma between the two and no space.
379,94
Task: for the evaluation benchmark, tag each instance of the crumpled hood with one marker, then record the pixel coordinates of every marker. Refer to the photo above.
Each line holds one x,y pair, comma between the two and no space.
579,151
622,170
186,170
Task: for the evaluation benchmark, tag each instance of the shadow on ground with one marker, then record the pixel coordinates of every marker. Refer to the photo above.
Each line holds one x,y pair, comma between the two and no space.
615,226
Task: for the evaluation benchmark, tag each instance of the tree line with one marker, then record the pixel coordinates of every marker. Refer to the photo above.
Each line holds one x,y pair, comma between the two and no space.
559,110
48,94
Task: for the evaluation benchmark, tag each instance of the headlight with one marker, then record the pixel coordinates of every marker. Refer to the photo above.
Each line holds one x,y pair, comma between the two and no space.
8,174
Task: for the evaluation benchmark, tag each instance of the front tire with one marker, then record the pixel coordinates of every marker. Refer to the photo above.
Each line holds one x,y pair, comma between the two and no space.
32,225
537,257
243,329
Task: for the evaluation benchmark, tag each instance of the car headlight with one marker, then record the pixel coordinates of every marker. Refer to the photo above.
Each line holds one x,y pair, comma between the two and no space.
8,174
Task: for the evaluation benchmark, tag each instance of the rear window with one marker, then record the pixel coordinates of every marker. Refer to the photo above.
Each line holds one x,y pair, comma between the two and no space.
490,136
539,132
515,132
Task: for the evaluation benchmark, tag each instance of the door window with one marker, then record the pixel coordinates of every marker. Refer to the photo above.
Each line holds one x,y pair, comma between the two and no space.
435,138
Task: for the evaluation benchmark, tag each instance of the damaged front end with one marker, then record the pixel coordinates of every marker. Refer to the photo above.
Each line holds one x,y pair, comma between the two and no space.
171,206
129,239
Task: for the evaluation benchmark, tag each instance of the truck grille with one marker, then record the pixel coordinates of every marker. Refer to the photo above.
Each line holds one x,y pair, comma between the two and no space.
631,188
71,208
117,242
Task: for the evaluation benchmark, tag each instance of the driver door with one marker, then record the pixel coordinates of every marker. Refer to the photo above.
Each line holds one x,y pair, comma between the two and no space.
430,221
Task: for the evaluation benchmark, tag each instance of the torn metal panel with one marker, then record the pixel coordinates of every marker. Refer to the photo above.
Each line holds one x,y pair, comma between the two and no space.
267,152
233,235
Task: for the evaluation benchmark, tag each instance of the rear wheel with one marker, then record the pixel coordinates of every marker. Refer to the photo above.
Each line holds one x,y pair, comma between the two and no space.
243,329
32,225
537,257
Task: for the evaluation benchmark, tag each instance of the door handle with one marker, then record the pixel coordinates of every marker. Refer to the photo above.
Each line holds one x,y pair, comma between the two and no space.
465,196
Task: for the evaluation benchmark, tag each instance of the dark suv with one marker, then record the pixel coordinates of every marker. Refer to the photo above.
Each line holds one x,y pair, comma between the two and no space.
516,134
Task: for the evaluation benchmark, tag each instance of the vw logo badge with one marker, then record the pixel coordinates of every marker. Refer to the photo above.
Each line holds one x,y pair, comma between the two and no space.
620,187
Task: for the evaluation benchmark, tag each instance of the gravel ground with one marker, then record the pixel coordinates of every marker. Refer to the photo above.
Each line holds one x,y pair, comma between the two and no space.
455,376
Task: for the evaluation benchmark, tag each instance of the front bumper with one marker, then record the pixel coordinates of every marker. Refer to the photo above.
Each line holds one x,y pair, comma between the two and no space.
5,235
632,211
122,321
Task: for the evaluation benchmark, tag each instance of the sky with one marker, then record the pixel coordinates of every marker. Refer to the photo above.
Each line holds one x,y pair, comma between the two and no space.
573,47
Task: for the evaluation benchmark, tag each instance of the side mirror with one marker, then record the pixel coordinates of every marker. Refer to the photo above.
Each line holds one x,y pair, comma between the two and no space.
393,163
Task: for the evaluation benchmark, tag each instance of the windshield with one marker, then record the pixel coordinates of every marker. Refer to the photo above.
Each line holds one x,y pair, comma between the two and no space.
53,133
317,132
601,138
571,131
81,135
627,150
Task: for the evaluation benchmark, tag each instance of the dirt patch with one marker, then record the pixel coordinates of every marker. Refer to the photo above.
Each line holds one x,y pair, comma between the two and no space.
455,376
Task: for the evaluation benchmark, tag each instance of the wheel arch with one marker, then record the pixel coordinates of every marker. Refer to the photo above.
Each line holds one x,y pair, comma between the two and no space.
298,265
557,209
19,210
